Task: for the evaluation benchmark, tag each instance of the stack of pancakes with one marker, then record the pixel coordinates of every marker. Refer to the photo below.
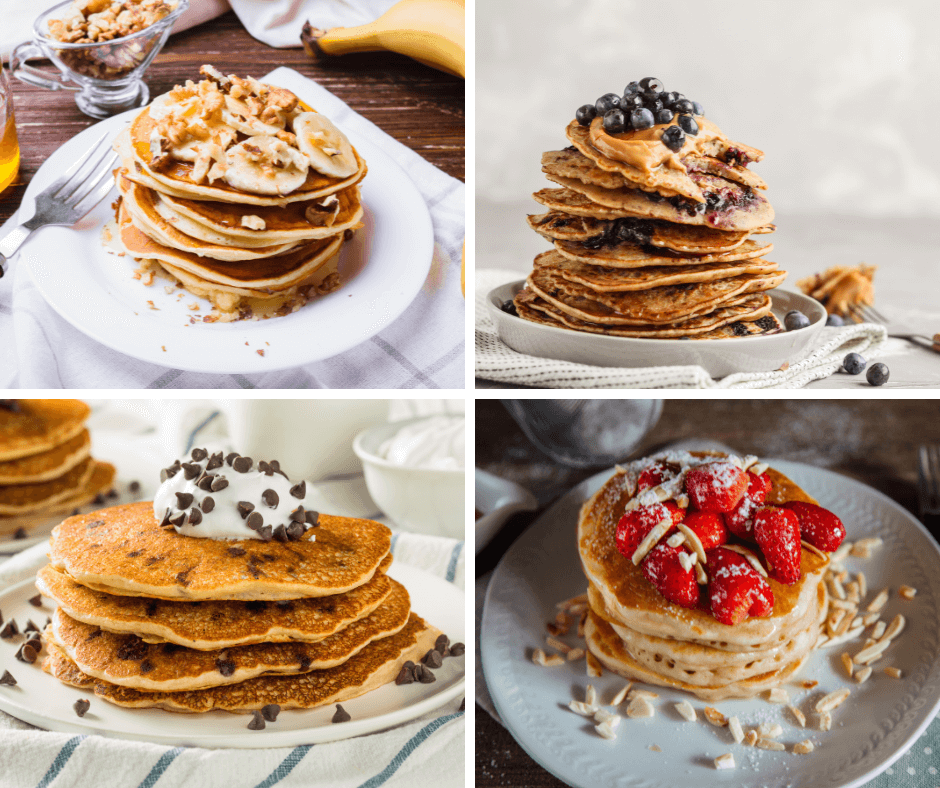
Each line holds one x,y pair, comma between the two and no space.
634,631
253,253
46,467
660,253
149,618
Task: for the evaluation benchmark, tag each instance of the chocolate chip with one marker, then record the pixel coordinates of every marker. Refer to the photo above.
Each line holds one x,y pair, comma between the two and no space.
297,515
226,666
255,520
134,486
299,490
255,605
184,500
305,663
179,519
215,461
166,519
270,712
30,626
280,533
405,676
191,471
132,648
457,650
146,666
199,455
195,517
166,474
433,659
236,551
441,645
295,531
20,533
426,676
7,679
276,467
245,508
265,468
312,517
208,504
231,457
27,653
266,533
205,482
35,601
81,706
219,483
243,464
257,722
270,498
112,493
341,714
98,499
48,622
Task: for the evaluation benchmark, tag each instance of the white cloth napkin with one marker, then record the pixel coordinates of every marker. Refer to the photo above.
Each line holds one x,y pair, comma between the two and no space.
424,348
498,362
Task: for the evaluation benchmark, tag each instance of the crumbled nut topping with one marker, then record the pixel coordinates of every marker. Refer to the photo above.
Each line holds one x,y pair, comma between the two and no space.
93,21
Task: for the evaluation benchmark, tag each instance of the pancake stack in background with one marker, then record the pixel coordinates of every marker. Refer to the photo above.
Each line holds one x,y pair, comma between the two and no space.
46,467
239,193
657,228
301,617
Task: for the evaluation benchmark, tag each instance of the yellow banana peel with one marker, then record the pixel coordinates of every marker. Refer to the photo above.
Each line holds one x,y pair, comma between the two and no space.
429,31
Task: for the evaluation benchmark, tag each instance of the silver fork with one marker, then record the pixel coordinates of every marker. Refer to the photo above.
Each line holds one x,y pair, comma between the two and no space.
68,199
928,480
868,314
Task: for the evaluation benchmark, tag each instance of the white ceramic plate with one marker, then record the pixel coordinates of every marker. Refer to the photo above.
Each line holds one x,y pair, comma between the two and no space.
719,357
878,723
497,499
42,700
383,269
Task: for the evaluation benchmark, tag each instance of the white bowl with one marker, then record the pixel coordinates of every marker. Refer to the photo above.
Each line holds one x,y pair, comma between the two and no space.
424,500
497,500
719,357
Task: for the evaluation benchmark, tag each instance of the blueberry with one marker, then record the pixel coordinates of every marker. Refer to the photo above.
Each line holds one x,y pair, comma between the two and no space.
665,116
631,102
642,119
877,374
853,363
586,114
795,320
674,138
651,85
688,124
653,105
614,122
509,308
835,320
697,108
668,99
606,103
633,87
683,105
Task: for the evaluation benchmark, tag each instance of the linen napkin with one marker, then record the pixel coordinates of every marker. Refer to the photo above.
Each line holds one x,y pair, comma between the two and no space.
423,348
496,361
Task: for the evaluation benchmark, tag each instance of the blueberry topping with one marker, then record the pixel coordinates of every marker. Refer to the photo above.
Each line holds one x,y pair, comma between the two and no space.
642,119
630,103
651,85
653,105
688,124
683,105
509,308
664,116
674,138
877,374
632,88
614,122
853,363
668,99
795,320
586,114
606,103
697,108
835,320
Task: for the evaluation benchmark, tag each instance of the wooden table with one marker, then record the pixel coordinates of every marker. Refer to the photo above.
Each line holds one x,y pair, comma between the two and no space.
417,105
874,442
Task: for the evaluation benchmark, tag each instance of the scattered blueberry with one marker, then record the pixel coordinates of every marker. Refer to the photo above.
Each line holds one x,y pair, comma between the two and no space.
509,308
630,102
651,85
668,99
697,108
664,116
835,320
633,87
795,320
683,105
586,114
853,363
653,105
674,138
614,122
606,103
877,374
642,119
688,124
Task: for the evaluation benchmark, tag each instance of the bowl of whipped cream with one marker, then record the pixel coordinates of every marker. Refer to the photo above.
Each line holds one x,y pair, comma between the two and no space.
414,470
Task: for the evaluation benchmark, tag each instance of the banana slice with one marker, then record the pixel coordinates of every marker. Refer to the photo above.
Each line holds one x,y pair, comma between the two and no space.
237,115
265,165
324,145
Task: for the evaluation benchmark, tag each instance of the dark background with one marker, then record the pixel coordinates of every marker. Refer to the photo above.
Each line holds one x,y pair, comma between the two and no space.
873,441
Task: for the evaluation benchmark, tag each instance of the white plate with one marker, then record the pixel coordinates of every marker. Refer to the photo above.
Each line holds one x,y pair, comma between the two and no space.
719,357
45,702
383,269
878,723
497,499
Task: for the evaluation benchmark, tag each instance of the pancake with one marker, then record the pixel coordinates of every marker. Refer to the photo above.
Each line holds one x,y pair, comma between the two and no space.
377,664
127,661
212,625
39,425
124,551
28,498
628,255
47,465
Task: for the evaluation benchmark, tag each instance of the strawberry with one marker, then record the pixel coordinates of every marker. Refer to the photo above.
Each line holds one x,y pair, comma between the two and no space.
637,523
735,589
715,486
818,526
709,527
664,570
654,475
778,533
740,520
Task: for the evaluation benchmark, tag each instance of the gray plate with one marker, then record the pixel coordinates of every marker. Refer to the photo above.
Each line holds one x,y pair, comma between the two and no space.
719,357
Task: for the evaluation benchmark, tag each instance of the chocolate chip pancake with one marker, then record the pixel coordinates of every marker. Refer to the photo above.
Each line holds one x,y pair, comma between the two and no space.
47,465
29,498
38,425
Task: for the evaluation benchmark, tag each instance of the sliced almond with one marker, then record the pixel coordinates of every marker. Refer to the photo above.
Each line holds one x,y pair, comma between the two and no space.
751,558
840,604
833,700
715,717
841,552
675,540
687,561
578,707
870,618
538,657
590,695
619,697
803,747
862,584
893,672
602,715
871,542
907,592
575,605
825,721
682,501
575,654
860,551
808,683
759,468
895,627
700,577
687,711
551,642
879,601
798,715
847,663
769,730
872,651
778,695
814,549
605,730
737,732
770,744
651,540
844,624
862,674
640,707
594,669
694,542
642,693
725,761
750,738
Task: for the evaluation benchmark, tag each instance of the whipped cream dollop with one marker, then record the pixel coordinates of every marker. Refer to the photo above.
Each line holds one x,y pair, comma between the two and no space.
216,497
436,442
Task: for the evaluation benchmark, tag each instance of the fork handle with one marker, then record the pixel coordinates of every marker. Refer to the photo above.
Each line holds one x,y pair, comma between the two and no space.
11,242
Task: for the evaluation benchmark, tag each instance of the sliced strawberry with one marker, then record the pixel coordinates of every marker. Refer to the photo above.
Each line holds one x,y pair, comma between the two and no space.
654,475
818,526
735,589
637,523
715,486
709,527
740,520
777,532
664,570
